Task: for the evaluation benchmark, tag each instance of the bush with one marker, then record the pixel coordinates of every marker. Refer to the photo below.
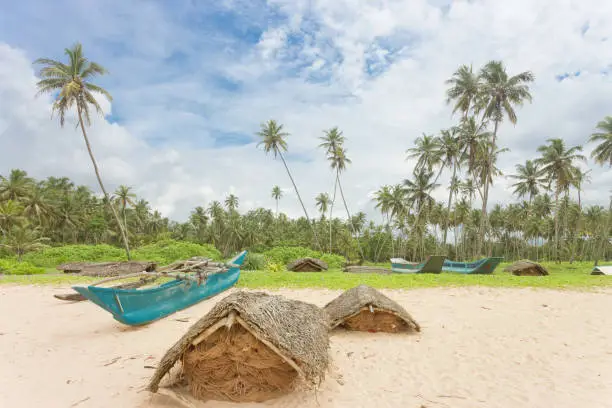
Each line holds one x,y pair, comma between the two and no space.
275,267
11,267
167,251
254,262
284,255
54,256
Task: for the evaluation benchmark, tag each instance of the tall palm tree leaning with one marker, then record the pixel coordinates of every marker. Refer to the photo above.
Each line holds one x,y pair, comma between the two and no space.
602,155
273,140
71,82
332,140
499,95
277,194
339,160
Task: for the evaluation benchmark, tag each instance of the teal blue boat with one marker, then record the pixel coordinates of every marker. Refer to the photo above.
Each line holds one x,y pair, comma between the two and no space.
482,266
433,264
141,306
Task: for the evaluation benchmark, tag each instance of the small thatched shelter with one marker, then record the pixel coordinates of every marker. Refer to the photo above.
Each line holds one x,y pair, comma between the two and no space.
250,347
526,267
307,265
364,308
107,269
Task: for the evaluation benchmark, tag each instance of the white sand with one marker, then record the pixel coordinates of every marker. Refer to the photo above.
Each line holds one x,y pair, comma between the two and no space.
478,348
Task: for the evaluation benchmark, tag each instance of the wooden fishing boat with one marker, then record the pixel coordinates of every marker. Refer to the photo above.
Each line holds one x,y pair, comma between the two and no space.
481,266
141,306
433,264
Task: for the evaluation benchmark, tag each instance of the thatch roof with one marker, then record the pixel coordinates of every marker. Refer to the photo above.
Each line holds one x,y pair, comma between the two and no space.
307,265
295,331
107,269
364,299
526,267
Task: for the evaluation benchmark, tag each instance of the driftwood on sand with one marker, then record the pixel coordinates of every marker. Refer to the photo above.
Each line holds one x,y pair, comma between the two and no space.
307,265
106,269
366,269
363,308
526,267
250,347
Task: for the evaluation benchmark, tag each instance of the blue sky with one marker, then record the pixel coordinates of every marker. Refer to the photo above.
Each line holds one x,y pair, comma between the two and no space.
192,81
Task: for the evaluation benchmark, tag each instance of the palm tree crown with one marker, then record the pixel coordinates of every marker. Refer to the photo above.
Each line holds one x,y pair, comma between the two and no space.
603,152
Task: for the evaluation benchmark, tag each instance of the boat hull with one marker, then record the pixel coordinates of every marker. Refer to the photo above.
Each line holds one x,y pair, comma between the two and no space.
481,266
433,264
136,307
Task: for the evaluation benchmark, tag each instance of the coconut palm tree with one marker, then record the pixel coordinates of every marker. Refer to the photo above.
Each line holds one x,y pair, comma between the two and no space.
603,152
418,192
498,97
449,151
277,194
73,89
124,197
558,164
464,89
530,180
273,140
231,202
426,152
22,239
332,140
322,201
16,186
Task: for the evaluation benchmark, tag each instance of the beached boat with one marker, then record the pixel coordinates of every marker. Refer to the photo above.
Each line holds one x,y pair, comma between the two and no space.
433,264
602,270
481,266
140,306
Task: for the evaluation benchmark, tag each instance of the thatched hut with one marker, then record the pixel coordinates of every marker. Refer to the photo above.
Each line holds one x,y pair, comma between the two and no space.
364,308
107,269
307,265
250,347
526,267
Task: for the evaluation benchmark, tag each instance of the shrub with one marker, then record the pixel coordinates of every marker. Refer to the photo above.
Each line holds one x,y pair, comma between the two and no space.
54,256
11,267
284,255
254,262
167,251
275,267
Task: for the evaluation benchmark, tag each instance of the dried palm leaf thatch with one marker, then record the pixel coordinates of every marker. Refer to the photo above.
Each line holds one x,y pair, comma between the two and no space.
307,265
526,267
250,347
107,269
363,308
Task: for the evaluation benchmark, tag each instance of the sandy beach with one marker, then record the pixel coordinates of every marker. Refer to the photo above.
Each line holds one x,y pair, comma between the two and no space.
478,347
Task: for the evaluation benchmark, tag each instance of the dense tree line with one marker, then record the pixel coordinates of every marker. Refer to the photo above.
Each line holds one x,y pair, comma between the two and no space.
548,223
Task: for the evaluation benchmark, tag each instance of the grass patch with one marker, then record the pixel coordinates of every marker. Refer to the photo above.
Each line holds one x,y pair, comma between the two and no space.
562,276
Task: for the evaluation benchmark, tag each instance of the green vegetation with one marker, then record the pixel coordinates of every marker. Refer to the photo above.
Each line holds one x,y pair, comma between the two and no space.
11,267
51,221
562,276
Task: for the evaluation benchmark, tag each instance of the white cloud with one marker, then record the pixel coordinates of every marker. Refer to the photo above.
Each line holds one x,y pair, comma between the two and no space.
380,116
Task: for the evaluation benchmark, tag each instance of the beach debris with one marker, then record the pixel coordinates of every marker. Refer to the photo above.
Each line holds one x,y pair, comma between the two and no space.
307,265
249,348
526,267
107,269
113,361
366,269
363,308
80,401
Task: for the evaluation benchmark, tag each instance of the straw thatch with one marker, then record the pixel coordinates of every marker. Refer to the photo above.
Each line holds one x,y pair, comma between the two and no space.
107,269
307,265
364,308
250,347
526,267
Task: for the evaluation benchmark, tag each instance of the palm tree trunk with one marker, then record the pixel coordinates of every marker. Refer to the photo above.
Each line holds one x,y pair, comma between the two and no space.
448,207
331,208
348,213
314,231
556,252
485,198
95,165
